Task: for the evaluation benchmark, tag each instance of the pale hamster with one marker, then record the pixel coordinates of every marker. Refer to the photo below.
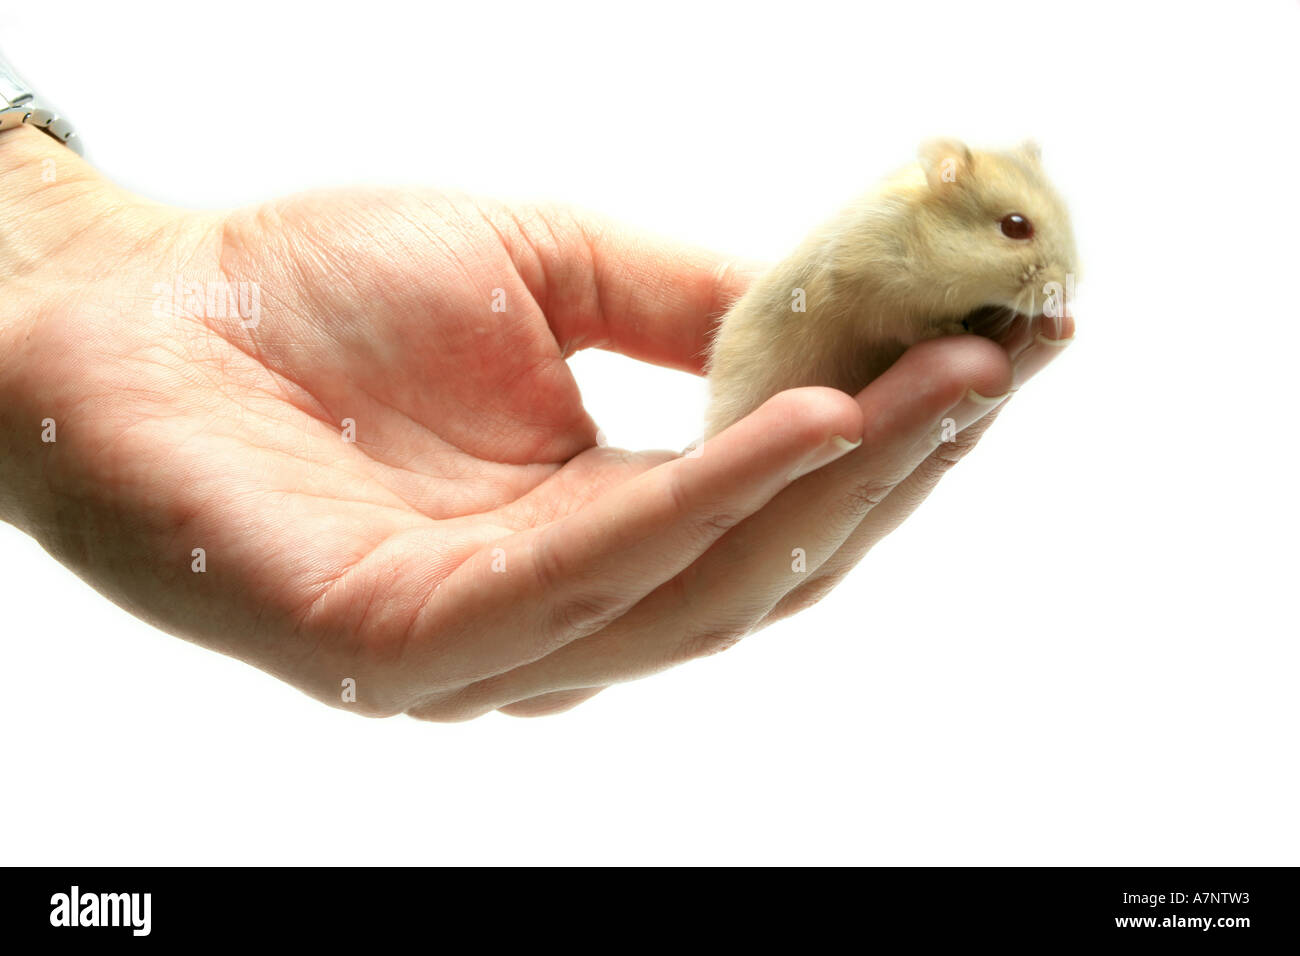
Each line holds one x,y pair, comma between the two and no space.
960,237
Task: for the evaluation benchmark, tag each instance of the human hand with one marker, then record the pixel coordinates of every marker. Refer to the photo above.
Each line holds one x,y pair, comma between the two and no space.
474,548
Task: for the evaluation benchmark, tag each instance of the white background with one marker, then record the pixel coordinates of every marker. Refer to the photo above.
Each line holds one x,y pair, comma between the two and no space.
1081,650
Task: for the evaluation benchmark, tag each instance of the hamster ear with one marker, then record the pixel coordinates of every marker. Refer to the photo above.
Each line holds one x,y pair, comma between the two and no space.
1031,150
945,161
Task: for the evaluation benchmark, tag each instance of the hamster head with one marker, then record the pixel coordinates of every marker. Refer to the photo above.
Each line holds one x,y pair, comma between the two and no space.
989,233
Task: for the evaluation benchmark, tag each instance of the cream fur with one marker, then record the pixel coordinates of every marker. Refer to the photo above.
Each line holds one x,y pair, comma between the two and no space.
905,262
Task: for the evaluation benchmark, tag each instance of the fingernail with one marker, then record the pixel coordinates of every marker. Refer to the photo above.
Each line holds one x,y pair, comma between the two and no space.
837,447
978,399
1035,358
970,409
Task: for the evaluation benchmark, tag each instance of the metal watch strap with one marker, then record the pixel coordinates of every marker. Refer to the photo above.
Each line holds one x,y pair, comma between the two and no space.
18,106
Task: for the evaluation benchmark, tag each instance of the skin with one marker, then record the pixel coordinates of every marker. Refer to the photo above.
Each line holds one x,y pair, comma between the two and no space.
474,549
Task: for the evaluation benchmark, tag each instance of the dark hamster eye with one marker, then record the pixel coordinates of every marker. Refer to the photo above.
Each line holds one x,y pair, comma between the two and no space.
1016,226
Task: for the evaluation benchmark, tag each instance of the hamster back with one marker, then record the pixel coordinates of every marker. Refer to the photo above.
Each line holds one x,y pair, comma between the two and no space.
957,235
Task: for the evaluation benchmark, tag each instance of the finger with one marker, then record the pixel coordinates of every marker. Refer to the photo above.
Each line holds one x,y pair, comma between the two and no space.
748,571
542,588
882,519
544,705
1046,339
1031,347
602,285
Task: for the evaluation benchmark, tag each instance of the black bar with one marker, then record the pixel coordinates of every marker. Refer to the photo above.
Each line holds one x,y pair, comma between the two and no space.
1230,909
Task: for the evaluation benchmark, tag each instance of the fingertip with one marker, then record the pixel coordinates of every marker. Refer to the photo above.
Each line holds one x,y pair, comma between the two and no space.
935,375
809,415
791,433
1055,330
816,414
1050,338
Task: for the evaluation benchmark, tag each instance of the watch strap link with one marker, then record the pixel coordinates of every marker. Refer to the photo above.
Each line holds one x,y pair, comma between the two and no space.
18,107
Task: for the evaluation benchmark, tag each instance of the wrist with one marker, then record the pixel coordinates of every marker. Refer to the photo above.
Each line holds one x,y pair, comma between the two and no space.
46,190
64,230
31,190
